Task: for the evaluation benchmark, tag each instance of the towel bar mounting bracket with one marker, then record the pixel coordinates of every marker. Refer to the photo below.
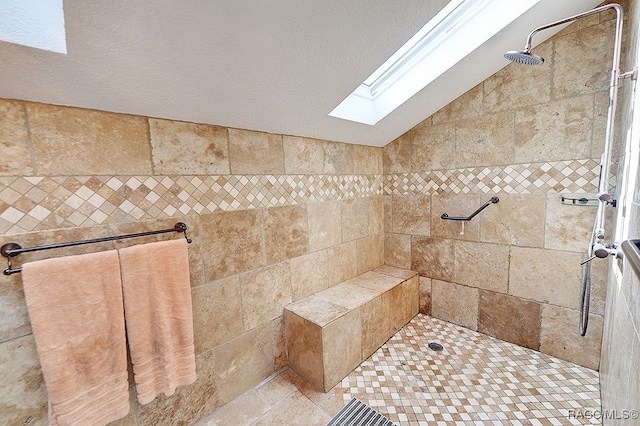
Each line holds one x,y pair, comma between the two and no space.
8,250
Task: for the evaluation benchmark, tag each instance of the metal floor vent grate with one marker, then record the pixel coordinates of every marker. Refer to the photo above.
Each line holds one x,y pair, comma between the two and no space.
357,413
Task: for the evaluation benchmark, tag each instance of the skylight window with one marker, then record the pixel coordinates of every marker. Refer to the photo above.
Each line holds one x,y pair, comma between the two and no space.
456,31
33,23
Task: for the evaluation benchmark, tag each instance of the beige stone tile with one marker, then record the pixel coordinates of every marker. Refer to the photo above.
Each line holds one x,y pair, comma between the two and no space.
517,219
342,262
412,214
455,303
485,140
455,205
599,271
242,411
377,281
255,153
397,250
341,348
243,362
425,295
333,405
367,160
388,212
325,224
217,313
285,232
396,301
411,294
295,409
466,106
582,60
548,276
317,310
188,148
433,258
303,156
396,156
370,253
375,315
265,292
23,400
309,274
355,218
232,242
16,158
304,347
433,147
14,319
279,343
276,389
509,318
72,141
349,294
189,403
338,158
559,336
376,215
558,130
516,86
601,109
568,227
397,272
482,265
307,389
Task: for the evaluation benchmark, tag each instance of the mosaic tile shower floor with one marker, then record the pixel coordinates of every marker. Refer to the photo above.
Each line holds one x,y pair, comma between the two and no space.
474,380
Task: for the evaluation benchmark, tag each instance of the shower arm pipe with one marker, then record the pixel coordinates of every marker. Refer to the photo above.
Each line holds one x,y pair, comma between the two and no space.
603,185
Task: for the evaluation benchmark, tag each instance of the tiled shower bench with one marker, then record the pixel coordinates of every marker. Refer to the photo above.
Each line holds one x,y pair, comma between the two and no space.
330,333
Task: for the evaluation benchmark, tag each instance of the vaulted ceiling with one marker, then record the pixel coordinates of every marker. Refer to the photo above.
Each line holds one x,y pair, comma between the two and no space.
270,65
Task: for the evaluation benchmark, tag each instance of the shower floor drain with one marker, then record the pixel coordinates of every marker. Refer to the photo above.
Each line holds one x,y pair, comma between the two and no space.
435,346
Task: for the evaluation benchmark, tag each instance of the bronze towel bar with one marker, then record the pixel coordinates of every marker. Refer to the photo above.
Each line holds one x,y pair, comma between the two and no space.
10,250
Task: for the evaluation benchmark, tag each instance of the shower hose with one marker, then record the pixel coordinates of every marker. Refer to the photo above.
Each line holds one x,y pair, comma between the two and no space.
585,292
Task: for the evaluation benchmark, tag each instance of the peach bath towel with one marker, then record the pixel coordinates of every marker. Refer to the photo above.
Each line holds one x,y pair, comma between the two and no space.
75,306
159,318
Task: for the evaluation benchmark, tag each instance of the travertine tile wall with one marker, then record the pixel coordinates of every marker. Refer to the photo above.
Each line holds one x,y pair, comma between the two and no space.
620,365
528,135
273,219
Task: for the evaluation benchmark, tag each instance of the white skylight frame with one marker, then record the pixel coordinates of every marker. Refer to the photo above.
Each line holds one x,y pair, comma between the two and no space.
457,30
34,23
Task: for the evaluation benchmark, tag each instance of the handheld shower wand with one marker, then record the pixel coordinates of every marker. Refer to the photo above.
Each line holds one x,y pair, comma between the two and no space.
597,246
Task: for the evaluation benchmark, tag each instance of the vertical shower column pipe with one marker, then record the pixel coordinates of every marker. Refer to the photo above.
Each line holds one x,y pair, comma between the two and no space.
597,245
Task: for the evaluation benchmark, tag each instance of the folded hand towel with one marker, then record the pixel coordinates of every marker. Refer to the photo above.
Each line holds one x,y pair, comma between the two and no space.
76,312
159,318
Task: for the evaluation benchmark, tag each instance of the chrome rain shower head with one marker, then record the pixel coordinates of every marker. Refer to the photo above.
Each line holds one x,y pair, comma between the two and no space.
524,57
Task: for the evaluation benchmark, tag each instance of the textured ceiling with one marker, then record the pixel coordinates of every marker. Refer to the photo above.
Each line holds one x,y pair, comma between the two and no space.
271,65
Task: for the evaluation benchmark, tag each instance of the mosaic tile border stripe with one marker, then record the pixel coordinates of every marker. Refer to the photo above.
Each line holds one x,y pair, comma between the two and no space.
570,176
41,203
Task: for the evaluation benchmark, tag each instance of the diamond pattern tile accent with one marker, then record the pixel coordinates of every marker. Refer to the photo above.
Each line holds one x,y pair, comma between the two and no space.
561,176
43,202
39,203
